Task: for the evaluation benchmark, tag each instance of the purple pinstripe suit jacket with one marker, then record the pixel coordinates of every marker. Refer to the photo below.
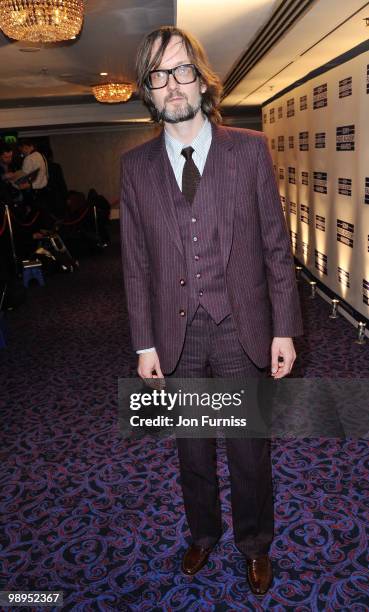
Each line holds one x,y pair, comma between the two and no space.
254,244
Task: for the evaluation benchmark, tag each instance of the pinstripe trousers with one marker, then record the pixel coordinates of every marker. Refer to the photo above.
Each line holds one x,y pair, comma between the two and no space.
215,349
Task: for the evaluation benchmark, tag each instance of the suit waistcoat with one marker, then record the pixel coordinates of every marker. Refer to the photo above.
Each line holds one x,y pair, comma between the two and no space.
200,240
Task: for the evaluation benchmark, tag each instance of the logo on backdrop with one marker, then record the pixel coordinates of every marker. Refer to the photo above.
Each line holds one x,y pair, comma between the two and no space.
281,174
272,144
320,140
320,96
305,249
345,138
345,233
320,182
345,87
321,262
303,103
304,214
293,208
343,277
280,112
291,142
272,115
304,178
365,291
283,202
345,186
280,143
292,175
366,190
265,117
304,141
291,107
320,222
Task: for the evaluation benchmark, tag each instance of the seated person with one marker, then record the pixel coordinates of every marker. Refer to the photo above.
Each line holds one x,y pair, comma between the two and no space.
56,186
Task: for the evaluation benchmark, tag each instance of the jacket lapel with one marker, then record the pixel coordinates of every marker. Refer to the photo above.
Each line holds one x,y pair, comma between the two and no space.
159,169
225,186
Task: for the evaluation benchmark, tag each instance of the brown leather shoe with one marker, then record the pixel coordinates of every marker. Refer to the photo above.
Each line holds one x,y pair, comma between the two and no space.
259,574
194,559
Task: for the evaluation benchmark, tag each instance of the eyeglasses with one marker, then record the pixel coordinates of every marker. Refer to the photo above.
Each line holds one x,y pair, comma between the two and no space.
184,74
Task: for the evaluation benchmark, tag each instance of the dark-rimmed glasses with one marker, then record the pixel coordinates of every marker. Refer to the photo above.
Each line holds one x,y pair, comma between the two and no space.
183,75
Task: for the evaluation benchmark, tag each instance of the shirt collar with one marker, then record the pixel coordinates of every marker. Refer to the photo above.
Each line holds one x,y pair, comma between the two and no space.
203,138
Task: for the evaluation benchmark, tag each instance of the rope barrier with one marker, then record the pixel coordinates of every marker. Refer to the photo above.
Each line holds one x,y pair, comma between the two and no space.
32,221
75,221
28,224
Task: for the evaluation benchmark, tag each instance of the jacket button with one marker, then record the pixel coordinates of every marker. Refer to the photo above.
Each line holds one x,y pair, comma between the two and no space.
182,313
182,282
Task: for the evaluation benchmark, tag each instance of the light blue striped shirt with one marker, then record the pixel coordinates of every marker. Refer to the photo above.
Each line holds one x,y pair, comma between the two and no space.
201,145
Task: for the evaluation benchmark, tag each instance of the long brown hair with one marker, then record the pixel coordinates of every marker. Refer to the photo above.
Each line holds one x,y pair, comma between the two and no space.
144,64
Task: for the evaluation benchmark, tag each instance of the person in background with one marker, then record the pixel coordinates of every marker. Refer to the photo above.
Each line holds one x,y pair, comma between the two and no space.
9,194
6,160
6,263
33,160
36,194
10,291
57,187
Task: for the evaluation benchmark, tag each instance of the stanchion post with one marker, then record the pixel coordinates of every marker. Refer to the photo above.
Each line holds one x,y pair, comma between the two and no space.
96,226
313,289
361,333
334,314
7,212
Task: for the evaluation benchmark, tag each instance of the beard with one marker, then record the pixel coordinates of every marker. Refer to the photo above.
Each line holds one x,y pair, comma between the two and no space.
182,113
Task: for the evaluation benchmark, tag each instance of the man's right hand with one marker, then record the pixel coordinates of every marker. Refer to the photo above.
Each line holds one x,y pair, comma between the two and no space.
149,365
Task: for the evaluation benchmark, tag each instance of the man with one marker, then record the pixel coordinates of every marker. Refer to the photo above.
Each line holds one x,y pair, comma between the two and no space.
6,160
33,160
36,194
209,278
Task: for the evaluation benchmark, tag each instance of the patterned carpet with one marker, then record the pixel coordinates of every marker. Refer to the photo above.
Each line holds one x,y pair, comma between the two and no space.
86,513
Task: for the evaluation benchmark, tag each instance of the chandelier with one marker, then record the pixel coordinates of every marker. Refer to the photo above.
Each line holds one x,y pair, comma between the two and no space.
41,21
112,92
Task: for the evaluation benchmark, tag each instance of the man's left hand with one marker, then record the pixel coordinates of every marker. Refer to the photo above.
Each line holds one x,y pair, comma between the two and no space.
282,347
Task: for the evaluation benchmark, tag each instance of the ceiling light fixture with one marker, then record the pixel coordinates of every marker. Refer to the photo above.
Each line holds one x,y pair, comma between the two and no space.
112,92
103,74
42,21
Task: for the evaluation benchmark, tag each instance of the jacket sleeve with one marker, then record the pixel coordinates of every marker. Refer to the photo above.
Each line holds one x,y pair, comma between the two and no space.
278,258
136,269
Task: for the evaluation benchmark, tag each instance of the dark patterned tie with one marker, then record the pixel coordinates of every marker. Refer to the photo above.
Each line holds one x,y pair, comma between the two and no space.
190,176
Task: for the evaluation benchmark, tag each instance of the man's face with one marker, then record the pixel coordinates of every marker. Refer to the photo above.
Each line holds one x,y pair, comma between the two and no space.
175,102
6,157
26,149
